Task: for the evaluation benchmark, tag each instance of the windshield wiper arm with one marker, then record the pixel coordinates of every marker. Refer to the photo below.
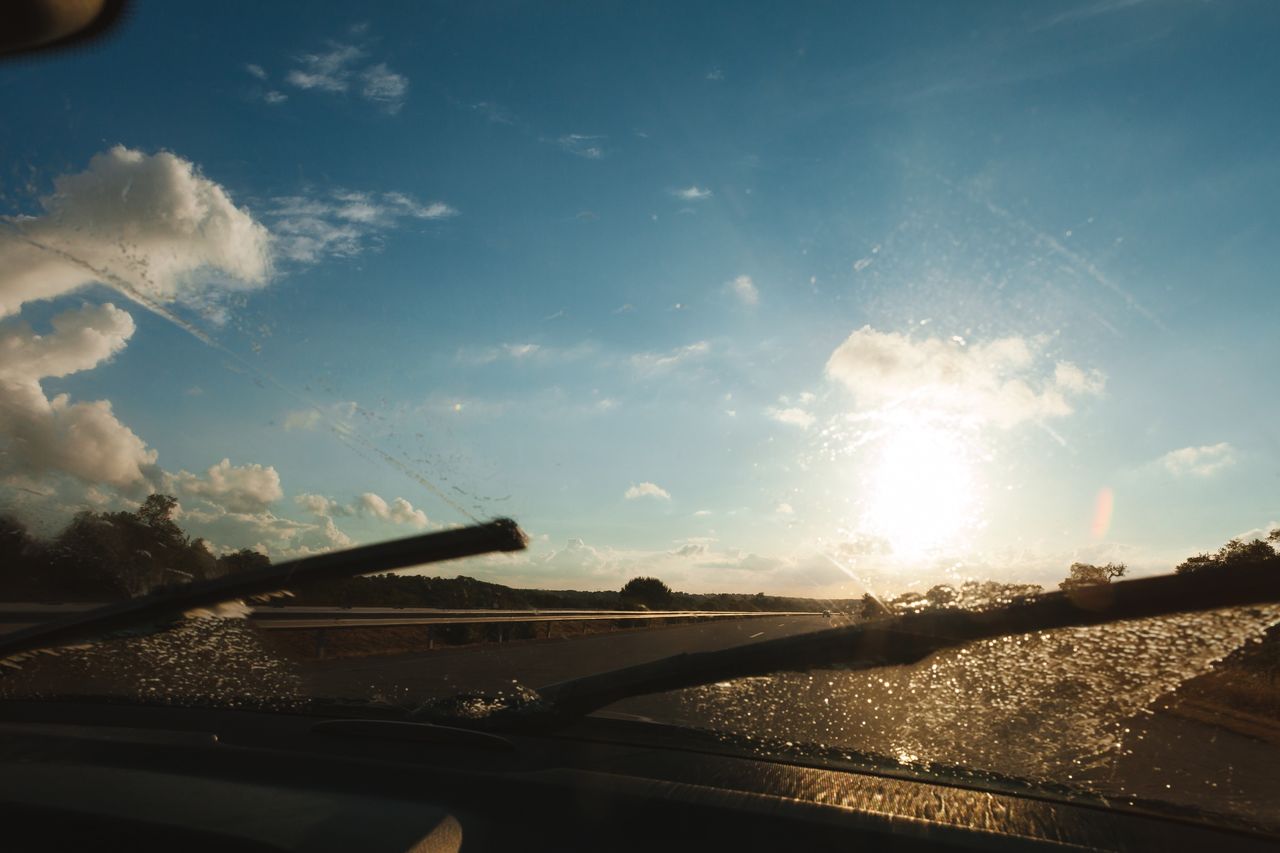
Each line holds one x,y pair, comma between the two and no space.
883,642
168,603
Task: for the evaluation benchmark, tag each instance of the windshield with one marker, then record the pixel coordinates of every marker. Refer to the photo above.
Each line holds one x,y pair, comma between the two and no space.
758,318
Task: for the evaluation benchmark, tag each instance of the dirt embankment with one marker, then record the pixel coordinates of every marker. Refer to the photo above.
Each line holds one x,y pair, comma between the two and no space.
1241,693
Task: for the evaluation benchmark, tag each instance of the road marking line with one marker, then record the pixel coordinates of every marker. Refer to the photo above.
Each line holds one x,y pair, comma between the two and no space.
756,634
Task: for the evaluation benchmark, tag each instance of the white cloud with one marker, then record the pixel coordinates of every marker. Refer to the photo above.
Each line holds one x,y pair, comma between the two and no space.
784,508
646,490
652,362
256,70
399,511
791,416
336,414
273,96
342,68
39,436
1203,461
236,488
521,350
320,505
384,86
149,225
329,71
1003,383
745,289
368,505
302,419
589,147
279,538
692,193
344,223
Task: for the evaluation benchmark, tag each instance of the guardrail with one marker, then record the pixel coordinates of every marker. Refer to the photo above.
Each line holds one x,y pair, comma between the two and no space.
17,615
283,618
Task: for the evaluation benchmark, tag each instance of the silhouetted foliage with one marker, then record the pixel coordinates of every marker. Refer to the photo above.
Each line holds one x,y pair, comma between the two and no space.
1235,553
240,561
649,592
100,556
1087,574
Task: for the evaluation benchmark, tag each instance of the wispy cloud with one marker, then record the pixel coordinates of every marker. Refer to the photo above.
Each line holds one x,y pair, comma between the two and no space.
337,414
343,223
1203,461
1085,11
590,147
525,352
495,113
652,362
342,69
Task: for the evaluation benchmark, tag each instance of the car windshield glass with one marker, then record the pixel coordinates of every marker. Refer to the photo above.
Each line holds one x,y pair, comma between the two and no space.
758,318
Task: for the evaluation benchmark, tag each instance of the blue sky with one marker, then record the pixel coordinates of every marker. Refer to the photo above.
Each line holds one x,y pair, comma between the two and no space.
748,296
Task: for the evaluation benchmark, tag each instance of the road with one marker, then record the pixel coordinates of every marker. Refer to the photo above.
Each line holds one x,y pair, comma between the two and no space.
1019,715
493,666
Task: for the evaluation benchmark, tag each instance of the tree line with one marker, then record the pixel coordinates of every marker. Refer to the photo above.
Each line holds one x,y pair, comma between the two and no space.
104,556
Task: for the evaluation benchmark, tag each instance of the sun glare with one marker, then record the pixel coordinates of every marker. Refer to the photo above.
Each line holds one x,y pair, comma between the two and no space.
921,491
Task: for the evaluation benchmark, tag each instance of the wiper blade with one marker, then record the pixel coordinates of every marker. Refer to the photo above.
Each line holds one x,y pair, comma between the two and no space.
170,603
883,642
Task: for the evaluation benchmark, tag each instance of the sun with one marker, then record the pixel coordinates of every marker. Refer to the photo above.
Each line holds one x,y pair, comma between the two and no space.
921,490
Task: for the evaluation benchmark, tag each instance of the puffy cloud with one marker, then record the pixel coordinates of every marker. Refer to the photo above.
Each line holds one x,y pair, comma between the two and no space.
146,224
237,488
745,289
41,436
368,504
692,193
1002,383
646,490
1203,461
279,538
319,505
791,416
784,508
399,511
343,223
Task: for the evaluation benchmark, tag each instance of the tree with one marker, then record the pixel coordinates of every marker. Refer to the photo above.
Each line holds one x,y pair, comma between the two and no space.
1087,574
1235,553
241,561
650,592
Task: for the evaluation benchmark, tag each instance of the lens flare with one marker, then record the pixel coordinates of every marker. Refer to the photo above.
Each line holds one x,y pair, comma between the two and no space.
1102,509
